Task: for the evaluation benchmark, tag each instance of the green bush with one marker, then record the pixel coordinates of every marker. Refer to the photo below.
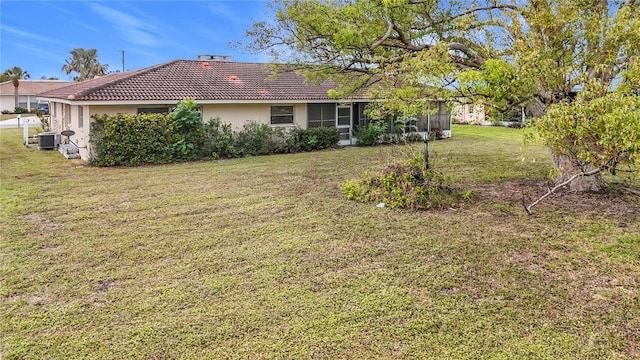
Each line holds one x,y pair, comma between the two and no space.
298,139
189,130
323,138
370,135
405,185
219,140
257,139
414,138
132,140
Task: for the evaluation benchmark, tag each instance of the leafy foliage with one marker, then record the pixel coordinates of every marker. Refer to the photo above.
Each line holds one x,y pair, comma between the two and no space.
502,54
369,135
188,126
260,139
321,138
600,131
405,185
85,63
132,140
219,140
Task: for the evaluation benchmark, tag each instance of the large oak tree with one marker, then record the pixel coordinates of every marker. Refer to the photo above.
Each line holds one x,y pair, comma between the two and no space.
504,54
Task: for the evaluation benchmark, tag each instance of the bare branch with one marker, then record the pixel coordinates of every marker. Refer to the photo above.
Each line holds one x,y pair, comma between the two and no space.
565,183
383,38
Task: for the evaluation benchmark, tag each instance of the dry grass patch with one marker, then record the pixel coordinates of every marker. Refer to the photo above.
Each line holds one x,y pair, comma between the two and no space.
264,258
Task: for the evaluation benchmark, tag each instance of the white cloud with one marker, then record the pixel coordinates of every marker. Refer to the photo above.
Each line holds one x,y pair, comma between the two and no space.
133,28
228,13
27,34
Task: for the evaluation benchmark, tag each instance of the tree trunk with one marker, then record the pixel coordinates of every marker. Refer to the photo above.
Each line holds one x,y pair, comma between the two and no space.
567,165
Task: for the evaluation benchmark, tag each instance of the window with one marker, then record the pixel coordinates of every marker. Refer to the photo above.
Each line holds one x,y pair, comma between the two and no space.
471,108
80,116
281,114
363,119
66,116
153,110
321,115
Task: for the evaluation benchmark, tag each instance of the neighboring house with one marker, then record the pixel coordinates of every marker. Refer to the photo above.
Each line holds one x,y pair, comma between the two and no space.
27,92
235,92
468,114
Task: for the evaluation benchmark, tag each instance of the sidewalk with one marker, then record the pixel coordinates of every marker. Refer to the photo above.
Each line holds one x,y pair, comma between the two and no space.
33,121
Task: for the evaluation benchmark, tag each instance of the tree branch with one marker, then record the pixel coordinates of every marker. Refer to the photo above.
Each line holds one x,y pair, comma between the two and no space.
553,189
383,38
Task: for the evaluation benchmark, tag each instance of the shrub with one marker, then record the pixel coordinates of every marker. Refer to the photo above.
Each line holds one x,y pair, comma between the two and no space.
369,135
413,138
189,131
20,110
323,138
405,185
256,139
132,140
299,140
219,140
44,120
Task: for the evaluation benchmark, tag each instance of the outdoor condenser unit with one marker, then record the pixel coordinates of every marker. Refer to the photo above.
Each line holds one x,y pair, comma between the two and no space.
48,140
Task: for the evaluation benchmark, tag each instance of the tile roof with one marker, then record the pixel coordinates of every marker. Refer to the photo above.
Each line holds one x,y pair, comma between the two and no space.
195,79
32,87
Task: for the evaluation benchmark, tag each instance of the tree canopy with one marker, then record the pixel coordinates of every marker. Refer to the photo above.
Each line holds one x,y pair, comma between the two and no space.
536,54
85,63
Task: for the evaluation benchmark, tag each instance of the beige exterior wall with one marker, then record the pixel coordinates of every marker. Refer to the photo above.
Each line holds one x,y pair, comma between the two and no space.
7,102
65,116
55,110
239,114
468,114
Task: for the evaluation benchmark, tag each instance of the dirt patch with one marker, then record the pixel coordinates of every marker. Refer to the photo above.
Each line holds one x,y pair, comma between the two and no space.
44,224
519,192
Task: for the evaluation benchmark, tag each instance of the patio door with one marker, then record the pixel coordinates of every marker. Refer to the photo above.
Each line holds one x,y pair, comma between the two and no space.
344,123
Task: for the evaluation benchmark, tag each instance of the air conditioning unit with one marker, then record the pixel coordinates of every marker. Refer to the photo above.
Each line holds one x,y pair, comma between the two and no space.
48,140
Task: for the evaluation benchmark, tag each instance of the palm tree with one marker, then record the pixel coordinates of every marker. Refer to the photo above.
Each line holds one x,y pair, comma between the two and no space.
84,62
14,75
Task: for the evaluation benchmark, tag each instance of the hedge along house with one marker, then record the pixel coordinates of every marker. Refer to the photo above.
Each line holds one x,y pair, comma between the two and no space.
235,92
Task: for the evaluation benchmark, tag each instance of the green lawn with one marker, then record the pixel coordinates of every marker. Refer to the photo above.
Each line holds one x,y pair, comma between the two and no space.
263,258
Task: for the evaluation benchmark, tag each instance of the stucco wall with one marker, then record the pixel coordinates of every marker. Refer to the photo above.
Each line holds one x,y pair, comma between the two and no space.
7,102
239,114
468,114
64,116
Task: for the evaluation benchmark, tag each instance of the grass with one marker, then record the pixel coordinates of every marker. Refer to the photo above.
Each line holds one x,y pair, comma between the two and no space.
264,258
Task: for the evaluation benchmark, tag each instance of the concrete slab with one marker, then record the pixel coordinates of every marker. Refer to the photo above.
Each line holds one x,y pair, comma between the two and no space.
33,121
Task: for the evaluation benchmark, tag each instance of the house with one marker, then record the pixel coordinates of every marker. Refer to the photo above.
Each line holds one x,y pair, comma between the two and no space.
27,92
468,114
235,92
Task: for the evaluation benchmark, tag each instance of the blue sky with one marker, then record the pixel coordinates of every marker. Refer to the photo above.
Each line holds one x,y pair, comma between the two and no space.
38,35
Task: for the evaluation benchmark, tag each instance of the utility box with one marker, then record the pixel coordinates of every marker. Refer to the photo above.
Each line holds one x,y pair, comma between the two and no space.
48,140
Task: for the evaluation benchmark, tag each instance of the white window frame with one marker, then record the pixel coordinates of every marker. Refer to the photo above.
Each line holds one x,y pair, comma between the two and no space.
272,115
80,117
